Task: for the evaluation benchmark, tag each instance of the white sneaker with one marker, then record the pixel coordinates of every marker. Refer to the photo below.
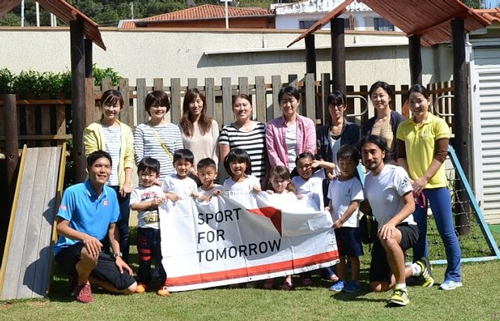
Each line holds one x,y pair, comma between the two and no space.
449,285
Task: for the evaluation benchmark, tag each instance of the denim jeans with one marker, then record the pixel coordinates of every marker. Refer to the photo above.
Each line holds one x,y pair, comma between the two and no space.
440,202
121,225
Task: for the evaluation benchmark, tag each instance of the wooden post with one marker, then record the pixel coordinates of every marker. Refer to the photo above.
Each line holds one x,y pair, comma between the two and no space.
310,55
78,98
462,114
415,55
11,145
89,72
338,54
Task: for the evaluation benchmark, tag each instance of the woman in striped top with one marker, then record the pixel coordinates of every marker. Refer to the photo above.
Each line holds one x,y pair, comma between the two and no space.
157,138
245,134
116,138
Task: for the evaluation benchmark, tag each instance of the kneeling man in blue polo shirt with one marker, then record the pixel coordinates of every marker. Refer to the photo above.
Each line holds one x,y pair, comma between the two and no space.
87,215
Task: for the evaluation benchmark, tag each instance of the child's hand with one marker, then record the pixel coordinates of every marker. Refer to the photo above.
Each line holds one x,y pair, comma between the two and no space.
173,197
205,198
328,209
216,192
270,191
155,202
257,189
337,224
300,196
195,195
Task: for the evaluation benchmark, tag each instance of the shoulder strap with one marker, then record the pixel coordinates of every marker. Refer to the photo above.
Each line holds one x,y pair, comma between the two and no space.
169,153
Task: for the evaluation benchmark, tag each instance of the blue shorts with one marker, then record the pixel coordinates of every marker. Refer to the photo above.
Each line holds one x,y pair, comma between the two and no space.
349,241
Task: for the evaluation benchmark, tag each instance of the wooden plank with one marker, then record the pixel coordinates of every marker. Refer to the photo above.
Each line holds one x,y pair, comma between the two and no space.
61,120
47,218
158,84
276,84
227,94
106,84
30,237
90,105
41,137
260,99
30,122
127,113
323,113
210,98
192,83
45,122
309,101
20,224
142,114
175,96
243,85
38,102
293,80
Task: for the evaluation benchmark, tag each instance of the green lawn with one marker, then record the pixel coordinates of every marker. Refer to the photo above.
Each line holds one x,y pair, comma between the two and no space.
476,300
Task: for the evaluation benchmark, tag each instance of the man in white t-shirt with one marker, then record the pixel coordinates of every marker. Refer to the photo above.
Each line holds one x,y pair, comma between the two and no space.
389,191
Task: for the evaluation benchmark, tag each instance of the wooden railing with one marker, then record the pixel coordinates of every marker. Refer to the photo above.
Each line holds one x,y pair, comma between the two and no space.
45,122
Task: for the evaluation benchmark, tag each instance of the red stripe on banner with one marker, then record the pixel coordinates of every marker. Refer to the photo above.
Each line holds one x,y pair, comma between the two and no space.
270,212
254,270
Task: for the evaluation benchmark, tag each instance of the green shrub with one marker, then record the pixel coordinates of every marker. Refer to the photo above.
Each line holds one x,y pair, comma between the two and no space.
6,79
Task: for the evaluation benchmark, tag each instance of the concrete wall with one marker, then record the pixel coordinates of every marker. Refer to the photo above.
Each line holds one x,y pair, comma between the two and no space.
216,53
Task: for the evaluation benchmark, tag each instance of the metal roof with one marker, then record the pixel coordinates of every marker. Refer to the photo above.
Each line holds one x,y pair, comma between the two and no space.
429,19
65,12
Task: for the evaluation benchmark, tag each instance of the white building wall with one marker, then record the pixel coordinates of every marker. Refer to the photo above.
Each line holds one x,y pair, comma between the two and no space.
216,54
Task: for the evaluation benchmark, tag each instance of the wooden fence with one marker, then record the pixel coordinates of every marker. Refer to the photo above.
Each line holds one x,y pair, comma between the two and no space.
45,122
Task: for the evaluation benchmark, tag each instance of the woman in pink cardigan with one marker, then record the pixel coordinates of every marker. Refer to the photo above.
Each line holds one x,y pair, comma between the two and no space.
291,134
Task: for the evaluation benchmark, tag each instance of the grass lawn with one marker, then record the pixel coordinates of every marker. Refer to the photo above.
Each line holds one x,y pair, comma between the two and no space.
476,300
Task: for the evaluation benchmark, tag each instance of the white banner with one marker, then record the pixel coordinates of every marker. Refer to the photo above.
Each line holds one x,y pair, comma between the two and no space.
239,238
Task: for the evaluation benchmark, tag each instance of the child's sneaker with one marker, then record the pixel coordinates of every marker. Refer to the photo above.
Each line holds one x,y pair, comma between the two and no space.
163,291
83,293
352,287
337,286
449,285
141,288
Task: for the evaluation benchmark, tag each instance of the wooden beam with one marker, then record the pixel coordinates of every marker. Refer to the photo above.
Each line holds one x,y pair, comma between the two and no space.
462,114
338,54
89,73
11,145
78,97
310,55
415,55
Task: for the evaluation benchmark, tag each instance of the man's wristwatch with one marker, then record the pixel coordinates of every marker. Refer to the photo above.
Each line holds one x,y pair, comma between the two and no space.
117,254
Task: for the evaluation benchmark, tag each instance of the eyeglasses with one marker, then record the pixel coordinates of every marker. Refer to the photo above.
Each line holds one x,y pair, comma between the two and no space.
338,107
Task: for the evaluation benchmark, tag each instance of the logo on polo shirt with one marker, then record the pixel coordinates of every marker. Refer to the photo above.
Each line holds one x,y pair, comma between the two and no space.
63,207
105,203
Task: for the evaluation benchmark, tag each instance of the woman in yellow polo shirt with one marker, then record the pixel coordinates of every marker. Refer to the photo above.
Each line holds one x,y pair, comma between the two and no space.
422,149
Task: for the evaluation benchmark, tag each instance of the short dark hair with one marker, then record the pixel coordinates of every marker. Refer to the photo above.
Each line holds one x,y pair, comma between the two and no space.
336,98
156,98
150,164
184,154
348,152
379,141
206,162
93,157
111,97
289,91
237,155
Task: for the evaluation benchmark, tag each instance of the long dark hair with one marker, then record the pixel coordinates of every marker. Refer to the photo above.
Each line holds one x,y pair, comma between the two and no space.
204,122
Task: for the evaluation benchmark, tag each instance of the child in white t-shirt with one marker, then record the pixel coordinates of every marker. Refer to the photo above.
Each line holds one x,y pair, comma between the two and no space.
145,199
179,185
237,165
345,194
207,173
309,184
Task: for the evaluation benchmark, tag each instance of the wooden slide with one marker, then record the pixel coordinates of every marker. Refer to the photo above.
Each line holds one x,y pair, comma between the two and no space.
27,260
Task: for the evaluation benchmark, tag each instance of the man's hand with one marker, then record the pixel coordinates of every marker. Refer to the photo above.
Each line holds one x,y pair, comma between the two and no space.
122,265
386,231
92,245
337,224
